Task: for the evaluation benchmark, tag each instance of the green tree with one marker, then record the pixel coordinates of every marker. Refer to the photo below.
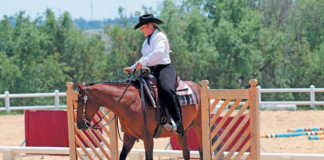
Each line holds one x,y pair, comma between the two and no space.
8,73
124,48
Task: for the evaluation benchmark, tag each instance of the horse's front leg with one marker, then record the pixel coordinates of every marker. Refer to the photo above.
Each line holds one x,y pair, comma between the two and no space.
182,141
148,145
127,146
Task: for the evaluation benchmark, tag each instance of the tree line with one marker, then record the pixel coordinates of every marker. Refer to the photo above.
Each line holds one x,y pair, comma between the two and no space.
228,42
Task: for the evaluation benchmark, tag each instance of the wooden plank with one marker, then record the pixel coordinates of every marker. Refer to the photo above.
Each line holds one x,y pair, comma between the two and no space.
87,141
80,156
74,99
232,137
227,115
108,118
249,157
99,134
205,121
213,105
219,111
105,129
255,120
78,142
113,127
69,97
113,150
238,143
96,141
228,93
243,150
230,125
86,138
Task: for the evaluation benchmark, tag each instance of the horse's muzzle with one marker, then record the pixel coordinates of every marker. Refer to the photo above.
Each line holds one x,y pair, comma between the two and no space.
82,124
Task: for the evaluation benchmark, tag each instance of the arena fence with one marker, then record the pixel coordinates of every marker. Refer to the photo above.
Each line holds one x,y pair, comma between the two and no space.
275,105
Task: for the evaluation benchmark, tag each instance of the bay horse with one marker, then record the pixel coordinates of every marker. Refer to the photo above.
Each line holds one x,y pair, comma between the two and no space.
128,108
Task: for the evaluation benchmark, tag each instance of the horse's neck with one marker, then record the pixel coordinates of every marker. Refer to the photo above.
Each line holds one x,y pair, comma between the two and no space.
111,98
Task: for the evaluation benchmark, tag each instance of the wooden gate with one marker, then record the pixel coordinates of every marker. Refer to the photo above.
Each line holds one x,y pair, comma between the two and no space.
91,144
235,103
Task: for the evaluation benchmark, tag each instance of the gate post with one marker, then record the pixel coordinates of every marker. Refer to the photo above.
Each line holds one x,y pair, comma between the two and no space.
205,117
69,99
255,119
114,137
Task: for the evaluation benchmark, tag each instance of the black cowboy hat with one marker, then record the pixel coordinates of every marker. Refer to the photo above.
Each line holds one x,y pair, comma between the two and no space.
147,18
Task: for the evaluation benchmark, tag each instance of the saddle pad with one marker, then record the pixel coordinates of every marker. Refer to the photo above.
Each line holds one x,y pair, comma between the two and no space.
187,99
183,89
186,96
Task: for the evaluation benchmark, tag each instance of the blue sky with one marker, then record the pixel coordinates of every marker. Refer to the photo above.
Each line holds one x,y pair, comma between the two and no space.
77,8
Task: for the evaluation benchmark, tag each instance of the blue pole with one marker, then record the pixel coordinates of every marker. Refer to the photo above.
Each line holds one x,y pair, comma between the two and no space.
293,134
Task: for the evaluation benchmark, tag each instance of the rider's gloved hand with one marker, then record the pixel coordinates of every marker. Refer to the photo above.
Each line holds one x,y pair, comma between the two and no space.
128,70
138,66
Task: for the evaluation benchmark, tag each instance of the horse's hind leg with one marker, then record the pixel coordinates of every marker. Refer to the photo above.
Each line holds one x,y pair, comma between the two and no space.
182,141
197,128
127,146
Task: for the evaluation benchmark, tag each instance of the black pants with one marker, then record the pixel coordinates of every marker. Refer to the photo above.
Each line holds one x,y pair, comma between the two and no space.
167,83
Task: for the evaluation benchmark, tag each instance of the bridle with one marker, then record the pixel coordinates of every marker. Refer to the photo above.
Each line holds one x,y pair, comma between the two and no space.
82,102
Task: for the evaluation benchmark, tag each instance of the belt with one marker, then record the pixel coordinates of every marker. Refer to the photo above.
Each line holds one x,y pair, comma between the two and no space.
158,67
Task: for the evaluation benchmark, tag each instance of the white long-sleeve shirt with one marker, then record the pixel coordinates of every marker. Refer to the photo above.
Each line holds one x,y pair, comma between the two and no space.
155,53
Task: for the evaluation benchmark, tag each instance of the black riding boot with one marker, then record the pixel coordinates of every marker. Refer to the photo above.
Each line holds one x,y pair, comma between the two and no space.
180,128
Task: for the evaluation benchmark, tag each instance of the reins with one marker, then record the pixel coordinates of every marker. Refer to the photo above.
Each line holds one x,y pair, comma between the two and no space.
129,81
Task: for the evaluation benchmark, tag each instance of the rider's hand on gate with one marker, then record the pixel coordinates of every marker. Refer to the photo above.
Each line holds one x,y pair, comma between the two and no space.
128,70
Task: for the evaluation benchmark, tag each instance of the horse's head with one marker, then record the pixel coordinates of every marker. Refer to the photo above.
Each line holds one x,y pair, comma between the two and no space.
86,107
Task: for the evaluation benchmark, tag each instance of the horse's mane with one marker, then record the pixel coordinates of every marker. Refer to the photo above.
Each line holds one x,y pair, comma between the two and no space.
108,82
134,82
116,83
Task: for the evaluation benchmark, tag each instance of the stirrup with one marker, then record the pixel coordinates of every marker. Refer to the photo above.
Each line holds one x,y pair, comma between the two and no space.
170,127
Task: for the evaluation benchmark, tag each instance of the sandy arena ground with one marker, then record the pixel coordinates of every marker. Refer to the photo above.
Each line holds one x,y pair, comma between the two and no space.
12,133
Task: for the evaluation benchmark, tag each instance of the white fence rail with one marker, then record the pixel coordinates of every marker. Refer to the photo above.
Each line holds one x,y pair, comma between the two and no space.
312,101
56,94
7,96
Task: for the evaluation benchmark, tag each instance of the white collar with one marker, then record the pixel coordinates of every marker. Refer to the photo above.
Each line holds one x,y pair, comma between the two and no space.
154,33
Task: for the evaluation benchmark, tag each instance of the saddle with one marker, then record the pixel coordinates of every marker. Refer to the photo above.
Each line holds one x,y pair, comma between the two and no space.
185,94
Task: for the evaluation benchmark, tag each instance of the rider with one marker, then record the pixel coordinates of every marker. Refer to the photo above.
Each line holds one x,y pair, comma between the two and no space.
155,55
